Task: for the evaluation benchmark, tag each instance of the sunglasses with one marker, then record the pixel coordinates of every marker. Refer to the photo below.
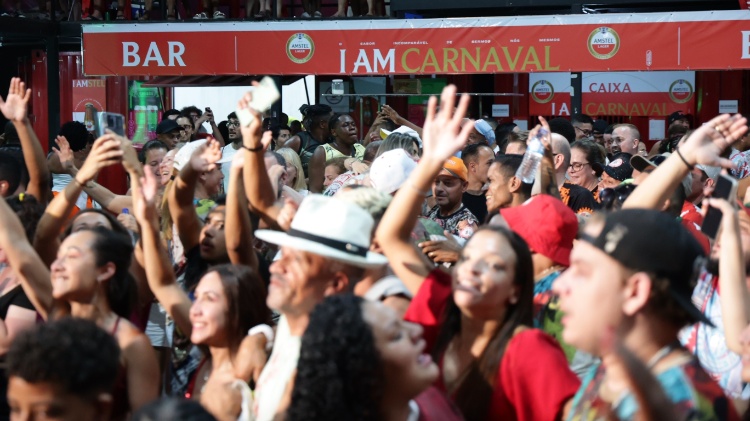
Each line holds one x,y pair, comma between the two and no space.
611,197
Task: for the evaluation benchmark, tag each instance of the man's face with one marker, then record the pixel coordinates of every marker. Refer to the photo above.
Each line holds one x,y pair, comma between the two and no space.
622,141
187,129
212,181
172,138
608,182
481,166
299,281
476,137
583,130
212,241
498,194
448,190
45,401
233,127
681,122
284,135
195,116
591,295
608,142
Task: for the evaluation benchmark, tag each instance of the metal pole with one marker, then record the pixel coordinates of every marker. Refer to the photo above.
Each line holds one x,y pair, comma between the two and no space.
307,93
576,100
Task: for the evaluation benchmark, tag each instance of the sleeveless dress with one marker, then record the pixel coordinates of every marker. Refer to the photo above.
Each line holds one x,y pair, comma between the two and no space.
331,152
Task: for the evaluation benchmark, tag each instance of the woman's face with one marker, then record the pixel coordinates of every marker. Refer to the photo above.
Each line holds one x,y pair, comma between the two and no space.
90,220
330,174
408,369
208,314
585,176
74,274
498,192
291,175
346,130
154,157
413,151
483,278
165,168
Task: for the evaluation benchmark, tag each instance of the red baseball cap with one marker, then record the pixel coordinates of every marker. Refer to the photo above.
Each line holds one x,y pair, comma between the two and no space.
546,224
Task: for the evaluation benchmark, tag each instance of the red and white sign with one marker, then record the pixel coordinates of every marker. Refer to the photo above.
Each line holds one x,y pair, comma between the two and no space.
89,98
646,94
549,94
594,43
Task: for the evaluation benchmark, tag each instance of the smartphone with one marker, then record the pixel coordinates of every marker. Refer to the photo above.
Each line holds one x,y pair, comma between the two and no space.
264,95
726,188
111,121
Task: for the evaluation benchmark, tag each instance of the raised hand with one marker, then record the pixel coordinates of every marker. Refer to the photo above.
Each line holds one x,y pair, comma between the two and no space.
130,155
546,139
391,114
442,135
144,206
64,154
206,156
707,142
287,213
105,152
251,135
14,108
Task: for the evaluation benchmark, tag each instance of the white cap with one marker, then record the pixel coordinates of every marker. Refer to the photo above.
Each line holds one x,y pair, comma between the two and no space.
390,170
183,156
403,130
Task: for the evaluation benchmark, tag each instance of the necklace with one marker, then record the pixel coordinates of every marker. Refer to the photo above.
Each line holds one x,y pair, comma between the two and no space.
549,270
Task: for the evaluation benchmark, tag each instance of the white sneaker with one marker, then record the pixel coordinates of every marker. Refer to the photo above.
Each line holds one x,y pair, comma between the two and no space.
219,15
201,15
305,15
317,15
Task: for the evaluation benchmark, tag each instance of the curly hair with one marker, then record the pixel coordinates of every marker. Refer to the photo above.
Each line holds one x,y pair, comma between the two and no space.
339,373
73,354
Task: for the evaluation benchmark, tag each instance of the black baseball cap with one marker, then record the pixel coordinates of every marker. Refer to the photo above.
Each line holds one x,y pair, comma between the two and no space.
619,167
675,116
641,163
166,126
600,126
654,242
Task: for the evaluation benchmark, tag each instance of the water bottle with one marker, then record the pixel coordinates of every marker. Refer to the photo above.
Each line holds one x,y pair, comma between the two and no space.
532,158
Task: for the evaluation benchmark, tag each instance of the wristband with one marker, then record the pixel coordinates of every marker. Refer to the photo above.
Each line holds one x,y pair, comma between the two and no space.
690,167
266,330
255,149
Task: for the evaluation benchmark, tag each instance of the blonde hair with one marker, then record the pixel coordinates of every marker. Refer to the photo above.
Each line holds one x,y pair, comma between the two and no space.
292,158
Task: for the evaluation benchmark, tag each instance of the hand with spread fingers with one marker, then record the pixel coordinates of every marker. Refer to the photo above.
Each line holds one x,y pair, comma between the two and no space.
705,145
15,105
64,154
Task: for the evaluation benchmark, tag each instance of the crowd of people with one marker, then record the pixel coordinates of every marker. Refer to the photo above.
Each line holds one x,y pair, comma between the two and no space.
271,272
145,10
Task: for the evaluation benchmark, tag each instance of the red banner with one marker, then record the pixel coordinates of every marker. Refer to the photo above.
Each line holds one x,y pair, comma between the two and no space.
89,98
616,42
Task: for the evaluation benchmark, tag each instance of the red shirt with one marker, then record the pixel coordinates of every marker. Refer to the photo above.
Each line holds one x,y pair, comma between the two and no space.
533,377
692,221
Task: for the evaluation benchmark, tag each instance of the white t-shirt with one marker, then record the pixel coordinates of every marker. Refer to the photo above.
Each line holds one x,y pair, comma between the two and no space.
227,151
60,181
277,373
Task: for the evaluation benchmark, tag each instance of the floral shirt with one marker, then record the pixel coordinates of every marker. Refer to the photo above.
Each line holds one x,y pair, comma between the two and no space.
709,344
461,223
742,161
694,393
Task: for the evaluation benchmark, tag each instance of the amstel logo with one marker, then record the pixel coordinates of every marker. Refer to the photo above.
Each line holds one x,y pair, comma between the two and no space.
680,91
300,48
542,91
603,43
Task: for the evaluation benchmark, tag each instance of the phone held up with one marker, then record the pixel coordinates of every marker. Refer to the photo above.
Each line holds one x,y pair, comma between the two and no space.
112,121
726,188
